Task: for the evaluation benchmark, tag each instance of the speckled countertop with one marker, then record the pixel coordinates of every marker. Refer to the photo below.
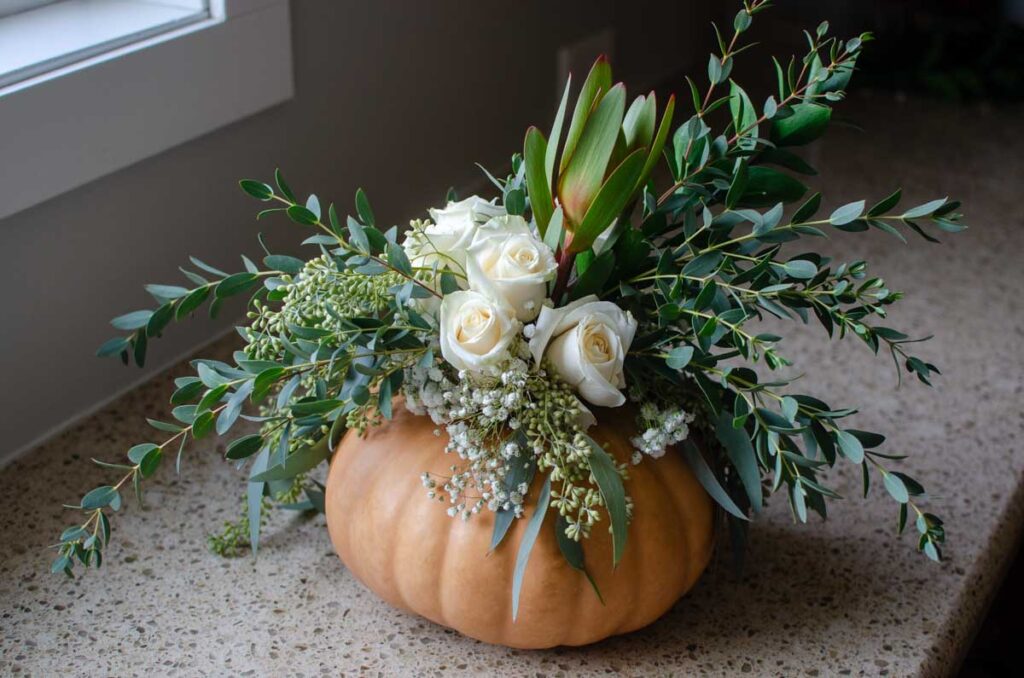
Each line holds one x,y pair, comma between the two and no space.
838,598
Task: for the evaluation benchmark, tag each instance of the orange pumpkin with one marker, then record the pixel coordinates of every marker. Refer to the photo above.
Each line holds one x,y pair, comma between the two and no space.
407,550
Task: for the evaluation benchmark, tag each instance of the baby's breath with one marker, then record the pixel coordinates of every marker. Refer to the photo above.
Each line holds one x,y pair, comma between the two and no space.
514,414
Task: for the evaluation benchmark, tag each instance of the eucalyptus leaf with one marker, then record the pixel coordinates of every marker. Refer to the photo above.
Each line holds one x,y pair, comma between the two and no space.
526,545
708,480
609,482
741,453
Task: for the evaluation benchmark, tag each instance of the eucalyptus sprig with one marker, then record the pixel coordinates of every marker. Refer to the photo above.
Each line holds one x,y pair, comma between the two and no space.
307,383
704,260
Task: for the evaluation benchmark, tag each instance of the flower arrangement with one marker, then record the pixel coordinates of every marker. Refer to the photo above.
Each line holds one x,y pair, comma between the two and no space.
625,262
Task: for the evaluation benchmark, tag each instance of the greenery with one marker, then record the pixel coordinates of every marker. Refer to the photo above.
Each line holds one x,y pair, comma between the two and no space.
697,262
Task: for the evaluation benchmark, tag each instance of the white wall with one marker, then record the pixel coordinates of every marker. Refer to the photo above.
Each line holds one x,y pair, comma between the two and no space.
400,98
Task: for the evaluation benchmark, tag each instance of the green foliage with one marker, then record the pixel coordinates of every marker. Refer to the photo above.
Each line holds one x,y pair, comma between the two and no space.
323,335
703,261
698,263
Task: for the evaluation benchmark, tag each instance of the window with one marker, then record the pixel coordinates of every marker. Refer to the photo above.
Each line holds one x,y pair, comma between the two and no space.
86,82
78,29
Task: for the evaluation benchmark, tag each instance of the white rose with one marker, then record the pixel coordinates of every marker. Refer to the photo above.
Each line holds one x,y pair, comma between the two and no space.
475,330
446,239
516,263
586,342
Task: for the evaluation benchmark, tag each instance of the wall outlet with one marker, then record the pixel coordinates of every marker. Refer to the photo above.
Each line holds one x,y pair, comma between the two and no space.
578,57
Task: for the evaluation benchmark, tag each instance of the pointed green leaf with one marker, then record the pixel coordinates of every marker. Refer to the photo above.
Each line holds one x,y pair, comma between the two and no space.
895,487
298,462
703,265
554,236
659,142
850,446
101,497
233,409
254,498
609,201
887,204
398,260
257,189
741,453
551,153
639,121
234,284
284,263
807,210
598,81
112,347
807,123
766,186
363,208
282,186
799,501
133,320
583,176
708,480
534,152
164,293
572,551
847,213
526,545
245,446
609,482
190,303
925,209
744,116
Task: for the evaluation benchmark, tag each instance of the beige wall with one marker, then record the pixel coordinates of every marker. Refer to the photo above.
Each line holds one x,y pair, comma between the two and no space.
398,97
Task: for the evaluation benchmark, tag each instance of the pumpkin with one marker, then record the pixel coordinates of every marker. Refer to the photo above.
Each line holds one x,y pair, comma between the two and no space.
404,547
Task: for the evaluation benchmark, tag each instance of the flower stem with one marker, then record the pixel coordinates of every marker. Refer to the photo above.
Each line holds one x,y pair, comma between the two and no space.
565,260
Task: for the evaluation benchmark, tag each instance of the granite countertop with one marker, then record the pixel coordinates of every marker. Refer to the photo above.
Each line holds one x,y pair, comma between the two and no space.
843,597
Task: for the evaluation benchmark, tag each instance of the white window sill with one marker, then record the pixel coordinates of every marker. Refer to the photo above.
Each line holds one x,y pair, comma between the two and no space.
67,126
78,29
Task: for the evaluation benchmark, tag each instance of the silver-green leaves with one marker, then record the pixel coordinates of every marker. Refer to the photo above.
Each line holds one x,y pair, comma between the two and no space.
609,481
526,545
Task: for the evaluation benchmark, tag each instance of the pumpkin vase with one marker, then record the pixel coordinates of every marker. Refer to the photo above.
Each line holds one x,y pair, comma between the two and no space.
405,548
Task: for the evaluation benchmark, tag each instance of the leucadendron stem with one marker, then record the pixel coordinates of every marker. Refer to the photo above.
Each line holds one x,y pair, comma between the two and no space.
565,261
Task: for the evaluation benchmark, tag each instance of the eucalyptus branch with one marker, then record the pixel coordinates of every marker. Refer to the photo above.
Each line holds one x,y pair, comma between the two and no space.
720,66
799,92
313,219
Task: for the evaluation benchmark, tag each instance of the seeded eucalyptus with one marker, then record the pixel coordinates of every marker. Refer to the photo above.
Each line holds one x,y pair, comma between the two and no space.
668,283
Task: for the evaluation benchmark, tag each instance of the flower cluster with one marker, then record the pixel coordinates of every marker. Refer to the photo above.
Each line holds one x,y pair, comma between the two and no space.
508,393
661,427
507,274
503,427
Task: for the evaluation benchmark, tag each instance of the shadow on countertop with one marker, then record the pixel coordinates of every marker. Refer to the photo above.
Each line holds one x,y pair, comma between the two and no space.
996,649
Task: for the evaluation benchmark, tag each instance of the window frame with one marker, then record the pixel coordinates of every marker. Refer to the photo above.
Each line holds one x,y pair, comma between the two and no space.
89,118
75,30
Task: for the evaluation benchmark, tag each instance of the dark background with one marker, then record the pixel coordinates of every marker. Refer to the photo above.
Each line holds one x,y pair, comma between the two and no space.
953,50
